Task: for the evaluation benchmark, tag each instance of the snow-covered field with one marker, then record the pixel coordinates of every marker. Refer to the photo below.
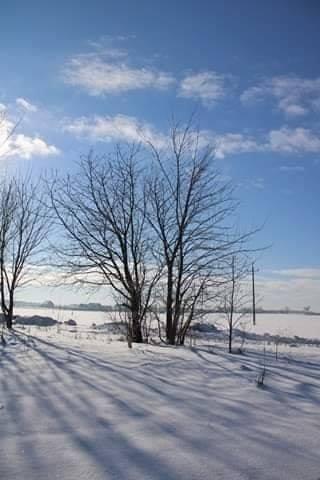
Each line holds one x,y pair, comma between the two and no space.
307,326
79,405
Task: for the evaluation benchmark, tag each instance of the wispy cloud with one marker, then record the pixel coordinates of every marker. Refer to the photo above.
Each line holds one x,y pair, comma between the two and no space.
117,128
295,96
111,46
110,70
258,183
282,141
292,168
25,105
108,73
127,128
208,87
313,273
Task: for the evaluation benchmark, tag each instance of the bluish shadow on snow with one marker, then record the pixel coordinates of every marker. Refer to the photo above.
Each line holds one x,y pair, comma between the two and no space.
182,414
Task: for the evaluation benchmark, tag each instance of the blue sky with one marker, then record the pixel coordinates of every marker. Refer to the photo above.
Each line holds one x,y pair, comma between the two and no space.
85,74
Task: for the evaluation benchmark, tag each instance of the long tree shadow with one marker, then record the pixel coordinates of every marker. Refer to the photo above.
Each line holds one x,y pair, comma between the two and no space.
125,420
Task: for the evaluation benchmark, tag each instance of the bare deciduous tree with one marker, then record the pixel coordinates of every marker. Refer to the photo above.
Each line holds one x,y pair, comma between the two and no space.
236,297
102,210
191,211
23,227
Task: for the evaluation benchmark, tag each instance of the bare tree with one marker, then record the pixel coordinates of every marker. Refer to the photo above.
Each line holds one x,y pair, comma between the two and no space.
23,227
102,210
192,212
236,297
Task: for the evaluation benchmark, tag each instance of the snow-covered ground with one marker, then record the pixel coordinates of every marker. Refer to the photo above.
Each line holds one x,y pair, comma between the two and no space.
77,405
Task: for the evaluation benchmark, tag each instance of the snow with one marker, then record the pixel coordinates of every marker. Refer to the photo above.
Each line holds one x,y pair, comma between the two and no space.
76,404
275,324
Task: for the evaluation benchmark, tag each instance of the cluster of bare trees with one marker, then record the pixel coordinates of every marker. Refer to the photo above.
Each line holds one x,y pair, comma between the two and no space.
155,225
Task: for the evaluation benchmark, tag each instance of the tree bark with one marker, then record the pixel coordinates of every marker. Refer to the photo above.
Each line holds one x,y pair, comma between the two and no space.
136,333
9,314
170,333
230,339
136,330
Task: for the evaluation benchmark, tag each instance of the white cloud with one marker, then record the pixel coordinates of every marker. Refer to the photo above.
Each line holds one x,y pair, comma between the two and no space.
206,86
118,128
234,143
292,109
99,75
26,147
295,96
284,140
130,129
25,105
109,70
295,288
312,273
297,140
253,94
42,275
21,145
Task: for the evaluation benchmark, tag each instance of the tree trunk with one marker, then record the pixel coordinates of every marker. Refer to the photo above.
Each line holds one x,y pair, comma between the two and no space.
230,338
170,331
9,321
136,331
9,316
9,311
232,304
171,338
183,332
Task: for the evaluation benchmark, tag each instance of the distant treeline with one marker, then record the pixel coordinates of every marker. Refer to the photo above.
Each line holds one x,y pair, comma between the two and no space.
99,307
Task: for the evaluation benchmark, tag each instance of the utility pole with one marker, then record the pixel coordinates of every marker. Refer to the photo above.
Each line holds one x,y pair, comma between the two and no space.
253,297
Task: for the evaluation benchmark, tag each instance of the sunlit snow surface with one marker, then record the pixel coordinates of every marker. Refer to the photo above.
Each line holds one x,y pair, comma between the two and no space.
76,404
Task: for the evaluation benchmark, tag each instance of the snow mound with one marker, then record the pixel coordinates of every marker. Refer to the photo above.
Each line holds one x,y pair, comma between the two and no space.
203,327
111,327
70,322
